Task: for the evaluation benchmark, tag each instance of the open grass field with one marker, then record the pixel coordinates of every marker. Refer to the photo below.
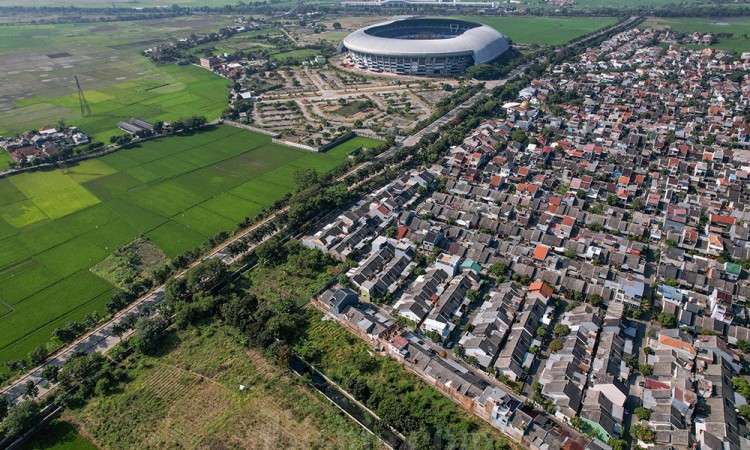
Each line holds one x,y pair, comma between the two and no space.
543,30
59,435
56,225
304,53
352,144
737,27
189,398
39,63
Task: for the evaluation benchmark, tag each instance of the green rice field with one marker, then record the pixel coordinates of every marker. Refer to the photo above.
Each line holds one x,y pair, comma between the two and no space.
40,61
189,90
543,30
57,224
58,435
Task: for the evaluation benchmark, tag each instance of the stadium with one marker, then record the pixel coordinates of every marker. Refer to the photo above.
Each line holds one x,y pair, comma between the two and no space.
424,46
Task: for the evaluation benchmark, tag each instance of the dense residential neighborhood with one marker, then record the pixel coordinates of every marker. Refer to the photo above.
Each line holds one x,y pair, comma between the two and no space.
580,262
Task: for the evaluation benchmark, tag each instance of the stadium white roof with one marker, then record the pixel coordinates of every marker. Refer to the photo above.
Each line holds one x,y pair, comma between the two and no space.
484,43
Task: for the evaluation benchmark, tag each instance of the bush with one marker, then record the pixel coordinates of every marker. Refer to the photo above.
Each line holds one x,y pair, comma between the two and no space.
744,411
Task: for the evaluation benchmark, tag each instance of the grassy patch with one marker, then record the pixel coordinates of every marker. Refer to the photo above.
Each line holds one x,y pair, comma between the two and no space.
343,149
351,108
301,54
136,260
189,398
5,159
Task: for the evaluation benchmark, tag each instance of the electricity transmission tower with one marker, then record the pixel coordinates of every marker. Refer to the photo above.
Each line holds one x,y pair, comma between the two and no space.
85,108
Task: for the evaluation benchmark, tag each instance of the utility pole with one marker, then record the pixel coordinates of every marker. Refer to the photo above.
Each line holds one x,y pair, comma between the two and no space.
85,108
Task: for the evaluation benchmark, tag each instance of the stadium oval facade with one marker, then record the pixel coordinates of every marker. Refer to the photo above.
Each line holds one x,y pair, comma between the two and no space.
424,46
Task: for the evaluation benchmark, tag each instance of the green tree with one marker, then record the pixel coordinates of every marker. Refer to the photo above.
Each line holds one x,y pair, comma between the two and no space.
50,373
4,405
618,444
64,334
744,411
743,345
541,332
271,252
499,268
555,346
30,390
741,386
561,330
21,418
596,300
642,413
646,369
519,136
667,320
38,355
148,334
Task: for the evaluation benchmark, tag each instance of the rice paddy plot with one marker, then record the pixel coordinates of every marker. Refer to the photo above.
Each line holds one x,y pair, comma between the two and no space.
58,224
174,238
260,191
26,279
233,207
58,435
206,222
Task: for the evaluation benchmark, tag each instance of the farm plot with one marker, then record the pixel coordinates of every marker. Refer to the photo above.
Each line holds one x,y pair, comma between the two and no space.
177,192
